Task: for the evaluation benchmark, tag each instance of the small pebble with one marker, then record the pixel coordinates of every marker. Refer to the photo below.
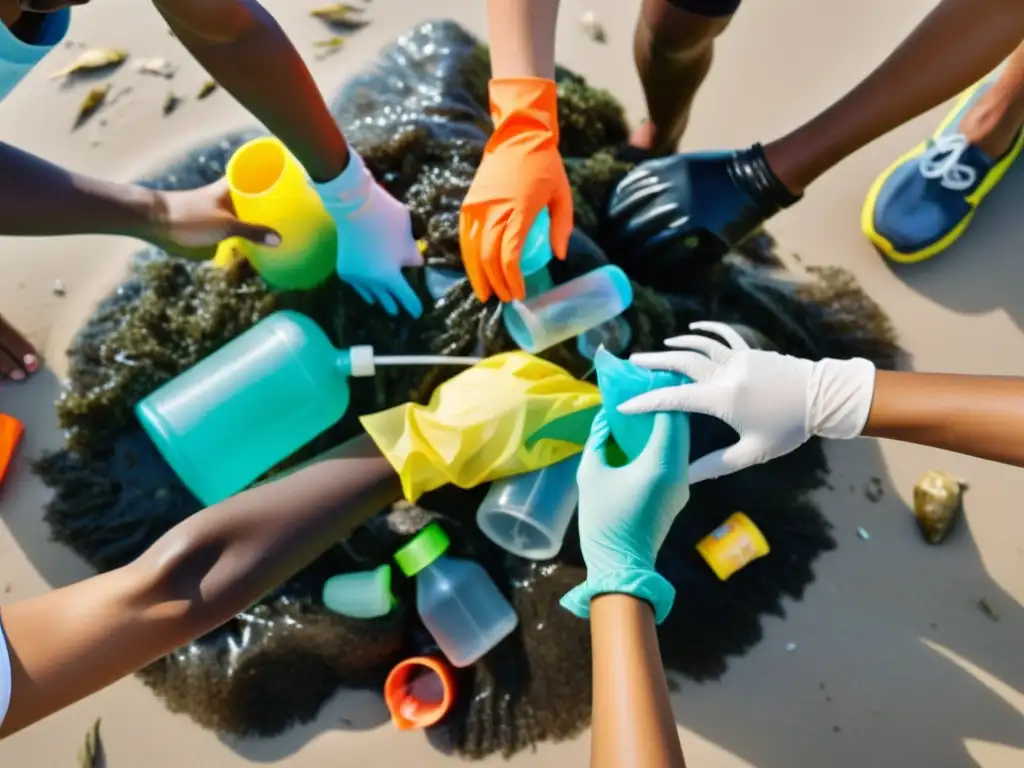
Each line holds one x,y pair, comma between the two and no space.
790,647
594,29
863,534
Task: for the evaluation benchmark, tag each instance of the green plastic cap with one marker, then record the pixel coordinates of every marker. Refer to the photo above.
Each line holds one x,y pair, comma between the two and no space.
429,544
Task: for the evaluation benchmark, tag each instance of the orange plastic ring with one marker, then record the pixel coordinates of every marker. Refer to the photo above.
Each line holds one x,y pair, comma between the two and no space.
10,434
408,712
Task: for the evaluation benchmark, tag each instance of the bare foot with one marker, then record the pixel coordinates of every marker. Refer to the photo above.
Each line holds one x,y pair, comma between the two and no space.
18,358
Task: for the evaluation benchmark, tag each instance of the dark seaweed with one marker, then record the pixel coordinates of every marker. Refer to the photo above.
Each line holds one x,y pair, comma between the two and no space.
419,117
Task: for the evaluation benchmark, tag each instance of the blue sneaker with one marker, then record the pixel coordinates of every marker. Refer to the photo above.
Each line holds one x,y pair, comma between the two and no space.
924,201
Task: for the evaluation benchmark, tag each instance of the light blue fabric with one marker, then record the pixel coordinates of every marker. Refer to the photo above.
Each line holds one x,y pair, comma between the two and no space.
18,58
625,513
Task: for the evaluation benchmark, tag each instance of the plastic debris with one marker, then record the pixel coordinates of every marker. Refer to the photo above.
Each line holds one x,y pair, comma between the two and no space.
863,534
59,288
790,647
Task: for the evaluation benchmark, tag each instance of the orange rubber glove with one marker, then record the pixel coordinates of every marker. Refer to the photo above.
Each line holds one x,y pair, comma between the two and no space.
521,173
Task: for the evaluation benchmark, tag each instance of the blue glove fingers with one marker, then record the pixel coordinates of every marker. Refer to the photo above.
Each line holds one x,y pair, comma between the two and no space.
380,292
363,293
644,584
406,296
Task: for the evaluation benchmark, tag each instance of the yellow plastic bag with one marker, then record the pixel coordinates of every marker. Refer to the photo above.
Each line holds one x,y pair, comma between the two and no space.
509,414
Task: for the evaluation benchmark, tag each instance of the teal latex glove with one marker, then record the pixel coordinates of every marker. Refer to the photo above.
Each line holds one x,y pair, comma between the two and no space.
625,512
375,238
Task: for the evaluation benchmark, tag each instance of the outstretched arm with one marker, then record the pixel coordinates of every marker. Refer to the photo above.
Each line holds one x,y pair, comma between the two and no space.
632,723
980,416
777,402
72,642
522,37
243,48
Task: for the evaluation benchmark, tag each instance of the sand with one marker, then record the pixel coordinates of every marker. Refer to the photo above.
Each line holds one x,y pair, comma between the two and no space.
887,662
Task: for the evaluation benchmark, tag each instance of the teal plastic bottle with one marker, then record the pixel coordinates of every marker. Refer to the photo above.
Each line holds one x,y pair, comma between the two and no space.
252,403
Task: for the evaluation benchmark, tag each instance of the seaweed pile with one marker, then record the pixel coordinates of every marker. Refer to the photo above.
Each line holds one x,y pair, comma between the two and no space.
419,118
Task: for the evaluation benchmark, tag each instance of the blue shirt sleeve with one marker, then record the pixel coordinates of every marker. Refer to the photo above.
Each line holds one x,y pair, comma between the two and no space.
17,58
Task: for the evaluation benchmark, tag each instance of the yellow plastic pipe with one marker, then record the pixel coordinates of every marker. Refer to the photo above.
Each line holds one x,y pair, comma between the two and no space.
269,187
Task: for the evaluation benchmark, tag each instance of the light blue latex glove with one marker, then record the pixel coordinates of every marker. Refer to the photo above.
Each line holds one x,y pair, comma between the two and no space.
374,238
625,513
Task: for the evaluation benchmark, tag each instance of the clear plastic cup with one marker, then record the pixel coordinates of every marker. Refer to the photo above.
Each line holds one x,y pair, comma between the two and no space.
572,308
529,514
360,595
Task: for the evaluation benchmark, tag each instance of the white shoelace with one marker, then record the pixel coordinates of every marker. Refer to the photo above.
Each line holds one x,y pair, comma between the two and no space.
942,161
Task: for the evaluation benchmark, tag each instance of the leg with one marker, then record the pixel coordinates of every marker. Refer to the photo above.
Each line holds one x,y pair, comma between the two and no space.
954,46
924,202
995,120
18,358
673,48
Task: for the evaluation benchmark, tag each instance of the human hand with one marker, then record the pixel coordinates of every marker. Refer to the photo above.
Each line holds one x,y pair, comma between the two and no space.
191,223
374,238
626,510
775,402
698,204
521,173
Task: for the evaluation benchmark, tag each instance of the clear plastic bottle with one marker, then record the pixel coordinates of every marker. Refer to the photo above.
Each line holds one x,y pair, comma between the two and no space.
549,318
252,403
457,601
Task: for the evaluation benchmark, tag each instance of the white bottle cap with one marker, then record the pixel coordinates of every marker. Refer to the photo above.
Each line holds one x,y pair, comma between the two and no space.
360,360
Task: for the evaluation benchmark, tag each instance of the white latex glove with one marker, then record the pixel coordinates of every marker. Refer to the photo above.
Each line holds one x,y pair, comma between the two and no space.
374,238
775,402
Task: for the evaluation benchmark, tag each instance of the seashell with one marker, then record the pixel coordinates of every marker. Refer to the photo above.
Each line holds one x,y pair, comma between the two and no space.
938,500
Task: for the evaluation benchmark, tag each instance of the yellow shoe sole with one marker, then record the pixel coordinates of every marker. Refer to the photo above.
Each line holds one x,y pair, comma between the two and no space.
994,176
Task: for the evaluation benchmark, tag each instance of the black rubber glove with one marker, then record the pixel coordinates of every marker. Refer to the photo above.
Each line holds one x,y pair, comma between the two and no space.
672,211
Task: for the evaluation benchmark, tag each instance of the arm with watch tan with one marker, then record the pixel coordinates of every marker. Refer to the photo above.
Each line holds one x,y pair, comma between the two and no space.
777,402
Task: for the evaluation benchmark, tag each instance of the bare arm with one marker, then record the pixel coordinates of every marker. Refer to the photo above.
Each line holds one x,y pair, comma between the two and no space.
40,198
633,723
522,37
243,48
74,641
979,416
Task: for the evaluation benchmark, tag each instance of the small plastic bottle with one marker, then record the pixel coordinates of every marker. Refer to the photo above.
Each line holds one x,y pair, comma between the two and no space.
457,601
572,308
251,404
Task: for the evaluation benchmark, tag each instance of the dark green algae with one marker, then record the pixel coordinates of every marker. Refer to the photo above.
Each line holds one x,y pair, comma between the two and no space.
419,118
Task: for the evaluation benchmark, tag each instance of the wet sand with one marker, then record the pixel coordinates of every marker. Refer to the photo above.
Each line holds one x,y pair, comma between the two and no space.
888,661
